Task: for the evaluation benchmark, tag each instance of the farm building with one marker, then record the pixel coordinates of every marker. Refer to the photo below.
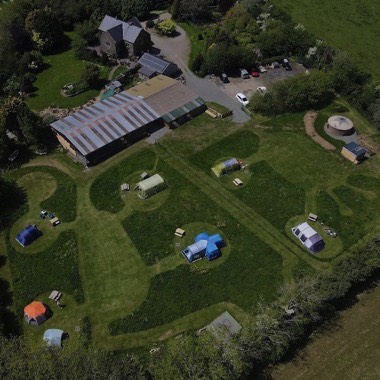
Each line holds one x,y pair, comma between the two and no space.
170,98
309,237
28,235
150,186
340,126
103,128
35,313
204,246
151,65
354,152
53,337
226,167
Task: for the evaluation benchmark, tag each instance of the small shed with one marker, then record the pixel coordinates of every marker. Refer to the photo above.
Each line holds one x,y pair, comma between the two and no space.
354,152
115,85
35,313
226,167
28,235
156,65
150,186
53,337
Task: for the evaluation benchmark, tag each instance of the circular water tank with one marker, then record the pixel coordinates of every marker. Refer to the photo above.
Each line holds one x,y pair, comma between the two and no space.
340,126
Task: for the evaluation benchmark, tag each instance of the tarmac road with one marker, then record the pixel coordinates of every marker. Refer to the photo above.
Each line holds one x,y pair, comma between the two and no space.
177,49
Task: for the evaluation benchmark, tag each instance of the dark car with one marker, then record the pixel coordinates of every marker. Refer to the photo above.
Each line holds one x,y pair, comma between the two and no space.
286,64
224,78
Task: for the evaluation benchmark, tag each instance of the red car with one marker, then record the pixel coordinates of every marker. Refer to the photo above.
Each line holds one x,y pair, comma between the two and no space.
254,73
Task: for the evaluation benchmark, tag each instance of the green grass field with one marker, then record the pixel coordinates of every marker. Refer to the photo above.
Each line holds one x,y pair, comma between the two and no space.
347,349
353,27
62,68
115,256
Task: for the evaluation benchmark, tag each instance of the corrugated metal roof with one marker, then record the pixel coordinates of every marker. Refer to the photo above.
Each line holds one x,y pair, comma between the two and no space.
153,62
103,122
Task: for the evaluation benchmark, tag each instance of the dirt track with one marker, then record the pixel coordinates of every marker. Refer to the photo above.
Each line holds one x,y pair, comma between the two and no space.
309,120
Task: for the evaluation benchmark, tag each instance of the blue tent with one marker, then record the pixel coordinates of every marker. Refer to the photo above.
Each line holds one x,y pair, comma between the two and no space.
204,246
53,337
28,235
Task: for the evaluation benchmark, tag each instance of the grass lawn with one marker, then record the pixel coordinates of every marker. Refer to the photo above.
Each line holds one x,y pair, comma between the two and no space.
123,260
347,349
352,26
62,68
197,35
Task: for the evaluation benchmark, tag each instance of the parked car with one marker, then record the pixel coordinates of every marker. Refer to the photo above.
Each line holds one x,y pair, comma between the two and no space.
242,99
255,73
224,78
262,89
287,65
262,69
244,74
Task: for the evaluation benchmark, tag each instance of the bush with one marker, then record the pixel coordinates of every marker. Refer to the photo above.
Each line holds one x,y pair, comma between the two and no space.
166,27
150,24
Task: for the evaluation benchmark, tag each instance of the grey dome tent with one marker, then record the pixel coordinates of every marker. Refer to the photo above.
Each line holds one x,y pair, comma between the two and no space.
150,186
53,337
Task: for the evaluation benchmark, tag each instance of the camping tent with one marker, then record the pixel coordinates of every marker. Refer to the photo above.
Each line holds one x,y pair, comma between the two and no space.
35,313
28,235
309,237
204,246
151,186
226,167
53,337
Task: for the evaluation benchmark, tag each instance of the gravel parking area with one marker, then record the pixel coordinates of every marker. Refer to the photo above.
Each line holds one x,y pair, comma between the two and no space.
249,86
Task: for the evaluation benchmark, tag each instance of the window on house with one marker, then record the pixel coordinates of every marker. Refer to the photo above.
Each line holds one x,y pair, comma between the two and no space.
108,44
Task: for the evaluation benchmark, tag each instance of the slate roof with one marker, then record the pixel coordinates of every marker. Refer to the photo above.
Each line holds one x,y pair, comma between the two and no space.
154,63
103,122
356,149
121,30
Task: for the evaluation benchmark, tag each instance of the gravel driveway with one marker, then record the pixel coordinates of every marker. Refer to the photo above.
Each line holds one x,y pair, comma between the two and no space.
177,49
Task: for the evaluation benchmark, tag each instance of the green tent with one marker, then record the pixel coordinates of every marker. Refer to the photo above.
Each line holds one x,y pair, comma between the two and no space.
151,186
226,167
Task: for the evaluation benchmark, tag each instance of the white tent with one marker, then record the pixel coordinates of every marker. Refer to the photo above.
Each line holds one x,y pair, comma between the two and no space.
309,237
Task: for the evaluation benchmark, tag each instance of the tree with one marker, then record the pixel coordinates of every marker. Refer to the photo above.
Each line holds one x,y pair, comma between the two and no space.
87,31
138,8
31,125
91,74
166,27
193,10
225,5
46,29
175,9
12,197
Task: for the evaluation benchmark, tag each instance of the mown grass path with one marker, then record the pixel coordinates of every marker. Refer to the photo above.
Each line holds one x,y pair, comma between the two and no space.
250,218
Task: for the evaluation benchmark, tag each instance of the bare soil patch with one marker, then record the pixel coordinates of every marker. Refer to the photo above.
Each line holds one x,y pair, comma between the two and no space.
309,120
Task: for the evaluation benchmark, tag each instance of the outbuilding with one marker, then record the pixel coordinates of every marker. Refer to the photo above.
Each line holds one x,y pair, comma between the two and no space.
152,65
354,152
308,237
35,313
226,167
340,126
150,186
28,235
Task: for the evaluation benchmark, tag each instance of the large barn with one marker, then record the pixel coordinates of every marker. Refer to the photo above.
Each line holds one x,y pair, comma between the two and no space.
101,129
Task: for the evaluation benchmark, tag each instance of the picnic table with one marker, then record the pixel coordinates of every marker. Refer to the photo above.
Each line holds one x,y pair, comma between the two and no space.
55,295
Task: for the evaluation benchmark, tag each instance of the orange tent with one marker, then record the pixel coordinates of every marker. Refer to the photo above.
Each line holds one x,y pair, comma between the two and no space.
35,313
